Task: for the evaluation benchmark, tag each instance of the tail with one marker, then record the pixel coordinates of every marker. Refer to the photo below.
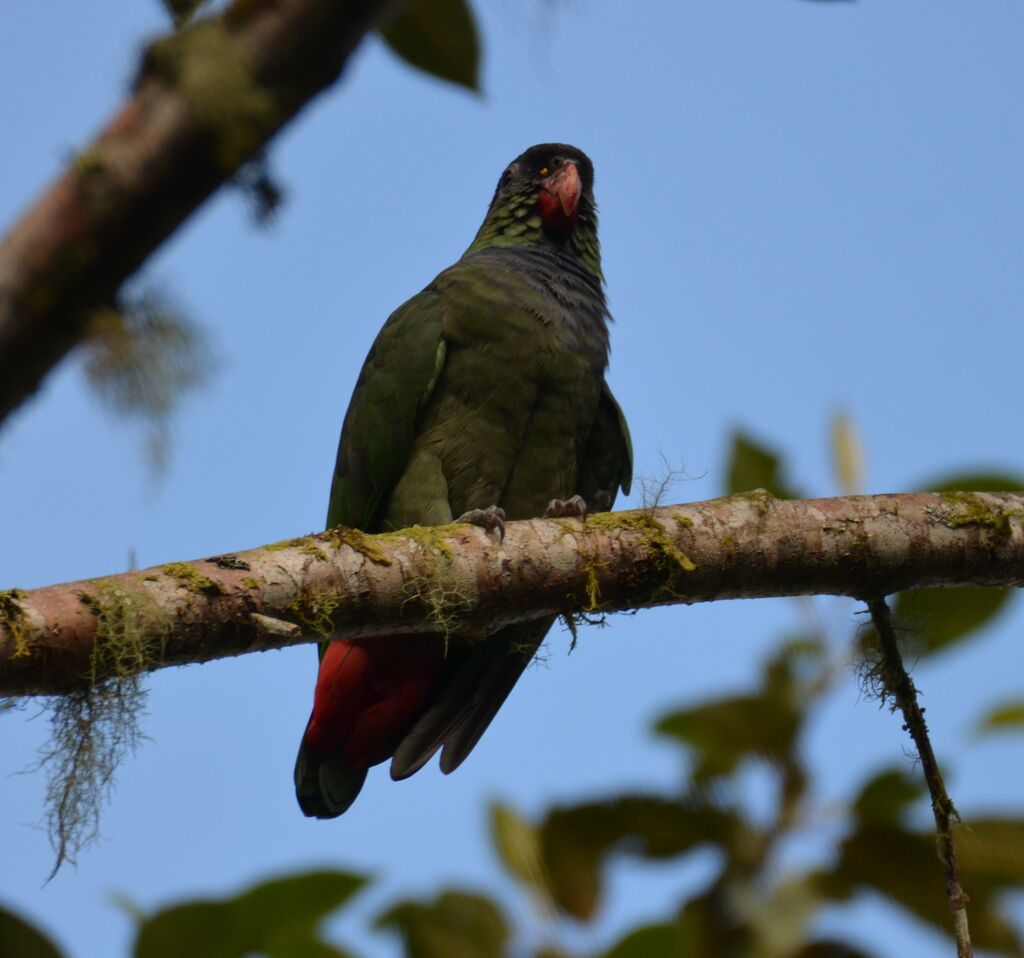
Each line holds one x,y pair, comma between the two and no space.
368,696
477,687
325,787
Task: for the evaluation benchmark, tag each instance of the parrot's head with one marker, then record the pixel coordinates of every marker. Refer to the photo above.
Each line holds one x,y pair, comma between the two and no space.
556,180
545,195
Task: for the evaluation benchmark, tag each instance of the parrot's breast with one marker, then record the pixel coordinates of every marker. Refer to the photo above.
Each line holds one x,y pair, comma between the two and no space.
527,344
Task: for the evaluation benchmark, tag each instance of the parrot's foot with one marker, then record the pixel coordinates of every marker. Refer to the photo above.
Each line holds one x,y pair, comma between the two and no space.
574,508
489,519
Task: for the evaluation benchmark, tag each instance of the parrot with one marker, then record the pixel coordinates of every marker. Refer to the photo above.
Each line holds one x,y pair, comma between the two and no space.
483,399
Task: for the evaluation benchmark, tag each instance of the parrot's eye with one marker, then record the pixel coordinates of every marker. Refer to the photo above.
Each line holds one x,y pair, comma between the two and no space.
544,171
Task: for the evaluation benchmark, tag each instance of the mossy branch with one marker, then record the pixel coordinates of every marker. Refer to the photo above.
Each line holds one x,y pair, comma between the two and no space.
207,98
459,579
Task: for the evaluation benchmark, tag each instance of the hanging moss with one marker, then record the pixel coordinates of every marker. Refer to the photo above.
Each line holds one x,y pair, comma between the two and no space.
95,727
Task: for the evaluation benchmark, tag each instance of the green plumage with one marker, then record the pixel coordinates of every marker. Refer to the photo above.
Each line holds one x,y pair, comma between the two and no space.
487,388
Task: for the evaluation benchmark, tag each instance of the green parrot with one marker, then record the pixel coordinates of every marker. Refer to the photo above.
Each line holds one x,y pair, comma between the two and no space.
482,399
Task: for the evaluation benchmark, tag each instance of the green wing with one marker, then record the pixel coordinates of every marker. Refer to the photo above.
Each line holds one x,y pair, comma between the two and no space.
395,383
607,462
490,668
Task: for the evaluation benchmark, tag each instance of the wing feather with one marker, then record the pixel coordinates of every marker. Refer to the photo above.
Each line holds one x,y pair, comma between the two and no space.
395,384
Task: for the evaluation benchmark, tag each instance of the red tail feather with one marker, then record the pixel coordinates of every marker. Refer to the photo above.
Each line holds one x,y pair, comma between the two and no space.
370,694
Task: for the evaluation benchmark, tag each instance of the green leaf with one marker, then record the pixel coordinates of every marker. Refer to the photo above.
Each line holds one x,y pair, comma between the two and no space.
753,466
777,914
904,867
992,851
182,11
830,948
766,724
19,938
931,620
277,918
884,798
297,900
1008,717
724,731
456,925
975,482
576,840
712,926
518,846
439,37
652,941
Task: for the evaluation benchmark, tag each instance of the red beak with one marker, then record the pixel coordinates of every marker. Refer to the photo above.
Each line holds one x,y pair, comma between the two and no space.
559,198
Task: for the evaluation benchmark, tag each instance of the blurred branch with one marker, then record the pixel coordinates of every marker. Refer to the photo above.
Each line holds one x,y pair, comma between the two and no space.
900,687
206,99
457,578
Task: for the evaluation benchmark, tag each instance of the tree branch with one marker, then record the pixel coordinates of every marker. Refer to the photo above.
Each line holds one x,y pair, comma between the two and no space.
459,579
900,686
205,100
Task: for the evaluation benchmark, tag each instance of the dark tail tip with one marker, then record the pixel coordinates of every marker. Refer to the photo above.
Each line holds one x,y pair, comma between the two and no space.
325,788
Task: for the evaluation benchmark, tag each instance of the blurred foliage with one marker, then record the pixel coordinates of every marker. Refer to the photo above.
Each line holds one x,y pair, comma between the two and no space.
754,466
847,455
20,939
439,37
457,924
182,11
932,620
995,481
1007,717
141,357
277,918
748,906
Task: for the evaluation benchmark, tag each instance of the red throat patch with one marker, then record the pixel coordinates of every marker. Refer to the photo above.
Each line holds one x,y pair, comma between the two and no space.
559,199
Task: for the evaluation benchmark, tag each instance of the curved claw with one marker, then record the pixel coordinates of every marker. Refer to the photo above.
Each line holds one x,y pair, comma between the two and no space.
489,519
574,508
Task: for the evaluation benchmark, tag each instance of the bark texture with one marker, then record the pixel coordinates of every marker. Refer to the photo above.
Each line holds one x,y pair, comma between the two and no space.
460,580
205,101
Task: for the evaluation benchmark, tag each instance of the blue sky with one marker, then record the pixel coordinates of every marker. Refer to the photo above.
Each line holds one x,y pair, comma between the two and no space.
805,207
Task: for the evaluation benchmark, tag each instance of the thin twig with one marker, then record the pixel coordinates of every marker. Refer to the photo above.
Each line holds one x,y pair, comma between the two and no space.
899,685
